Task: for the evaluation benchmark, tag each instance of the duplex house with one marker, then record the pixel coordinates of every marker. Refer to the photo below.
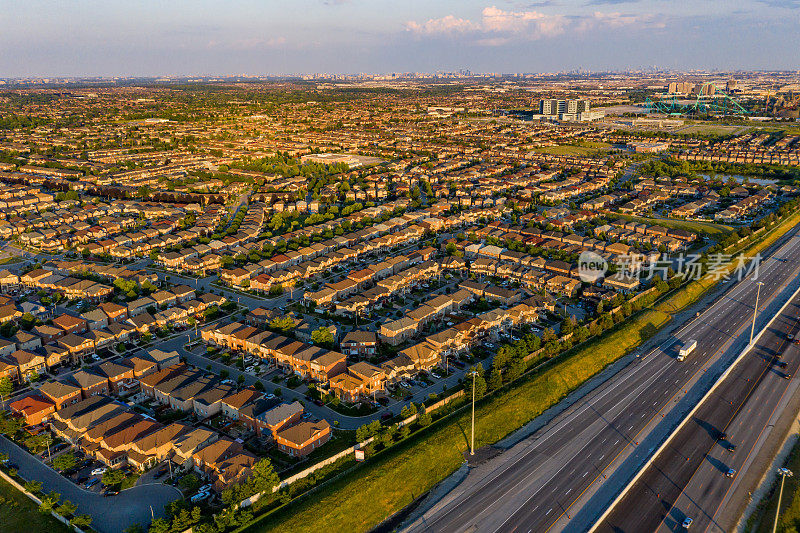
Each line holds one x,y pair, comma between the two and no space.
303,438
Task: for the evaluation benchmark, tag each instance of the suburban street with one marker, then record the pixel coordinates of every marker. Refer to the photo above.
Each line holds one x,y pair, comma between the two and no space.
533,485
109,514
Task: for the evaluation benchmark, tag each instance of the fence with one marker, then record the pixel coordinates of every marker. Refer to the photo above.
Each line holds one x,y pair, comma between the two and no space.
37,501
344,453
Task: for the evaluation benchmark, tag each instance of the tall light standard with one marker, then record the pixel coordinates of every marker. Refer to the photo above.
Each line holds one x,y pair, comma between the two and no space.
755,310
784,473
474,374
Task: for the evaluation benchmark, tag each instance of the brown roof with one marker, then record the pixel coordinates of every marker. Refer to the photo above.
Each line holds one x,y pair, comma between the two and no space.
301,433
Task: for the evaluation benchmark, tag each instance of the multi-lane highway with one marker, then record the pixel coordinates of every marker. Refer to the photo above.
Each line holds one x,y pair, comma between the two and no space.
698,470
532,486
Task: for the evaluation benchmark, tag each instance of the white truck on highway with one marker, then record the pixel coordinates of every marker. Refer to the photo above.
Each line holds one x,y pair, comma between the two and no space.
686,349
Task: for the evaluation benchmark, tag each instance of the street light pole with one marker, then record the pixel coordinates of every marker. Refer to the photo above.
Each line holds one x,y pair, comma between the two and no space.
474,374
755,310
784,473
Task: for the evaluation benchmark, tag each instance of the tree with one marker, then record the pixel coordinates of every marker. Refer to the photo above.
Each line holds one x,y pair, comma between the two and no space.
113,477
322,337
495,379
67,508
240,380
263,476
6,387
480,382
425,419
33,486
49,502
65,461
362,433
82,521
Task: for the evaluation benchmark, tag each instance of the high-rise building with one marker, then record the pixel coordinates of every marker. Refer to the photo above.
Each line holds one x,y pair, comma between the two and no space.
559,107
730,86
570,110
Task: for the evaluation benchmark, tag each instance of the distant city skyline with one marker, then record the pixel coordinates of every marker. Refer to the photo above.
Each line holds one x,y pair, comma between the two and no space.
43,38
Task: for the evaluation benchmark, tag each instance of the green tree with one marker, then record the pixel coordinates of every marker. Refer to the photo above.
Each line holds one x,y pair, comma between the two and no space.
82,521
495,379
66,509
480,382
6,387
49,502
65,461
113,477
322,337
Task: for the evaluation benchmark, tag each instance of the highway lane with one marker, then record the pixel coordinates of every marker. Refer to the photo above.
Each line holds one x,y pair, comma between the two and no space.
532,485
688,477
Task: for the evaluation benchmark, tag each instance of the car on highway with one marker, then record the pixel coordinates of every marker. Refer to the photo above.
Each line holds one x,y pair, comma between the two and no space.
790,337
687,523
730,447
730,473
786,376
781,364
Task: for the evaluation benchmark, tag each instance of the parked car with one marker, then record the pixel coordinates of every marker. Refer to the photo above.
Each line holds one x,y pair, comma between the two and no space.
92,482
200,496
99,471
161,472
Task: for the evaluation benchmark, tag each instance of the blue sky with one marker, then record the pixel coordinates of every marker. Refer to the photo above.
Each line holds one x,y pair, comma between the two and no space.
204,37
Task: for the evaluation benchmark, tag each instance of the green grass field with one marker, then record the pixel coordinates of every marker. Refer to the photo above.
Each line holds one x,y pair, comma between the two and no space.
711,229
362,499
789,520
19,514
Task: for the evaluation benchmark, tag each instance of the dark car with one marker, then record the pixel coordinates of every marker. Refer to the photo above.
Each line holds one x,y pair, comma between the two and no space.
108,493
161,472
781,364
787,376
730,447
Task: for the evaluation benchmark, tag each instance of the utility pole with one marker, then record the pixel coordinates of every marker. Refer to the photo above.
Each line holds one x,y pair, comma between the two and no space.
784,473
474,374
755,310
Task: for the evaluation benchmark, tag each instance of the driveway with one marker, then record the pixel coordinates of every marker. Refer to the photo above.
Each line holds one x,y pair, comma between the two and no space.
109,515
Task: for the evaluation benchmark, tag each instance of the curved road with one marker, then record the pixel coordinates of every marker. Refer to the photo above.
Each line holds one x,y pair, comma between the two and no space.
136,505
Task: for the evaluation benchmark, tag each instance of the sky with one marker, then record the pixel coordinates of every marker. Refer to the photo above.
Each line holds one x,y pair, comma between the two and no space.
49,38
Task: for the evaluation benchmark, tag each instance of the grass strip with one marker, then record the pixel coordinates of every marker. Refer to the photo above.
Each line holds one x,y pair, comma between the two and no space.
20,513
363,498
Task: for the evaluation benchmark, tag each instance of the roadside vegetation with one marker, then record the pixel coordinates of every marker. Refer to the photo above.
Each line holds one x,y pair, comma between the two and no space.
362,498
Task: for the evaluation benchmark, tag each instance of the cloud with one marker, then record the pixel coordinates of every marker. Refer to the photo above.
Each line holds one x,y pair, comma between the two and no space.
444,25
599,20
497,26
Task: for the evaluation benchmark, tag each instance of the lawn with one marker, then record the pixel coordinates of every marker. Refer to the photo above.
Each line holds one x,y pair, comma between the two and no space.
365,497
709,129
19,513
695,226
762,519
362,499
